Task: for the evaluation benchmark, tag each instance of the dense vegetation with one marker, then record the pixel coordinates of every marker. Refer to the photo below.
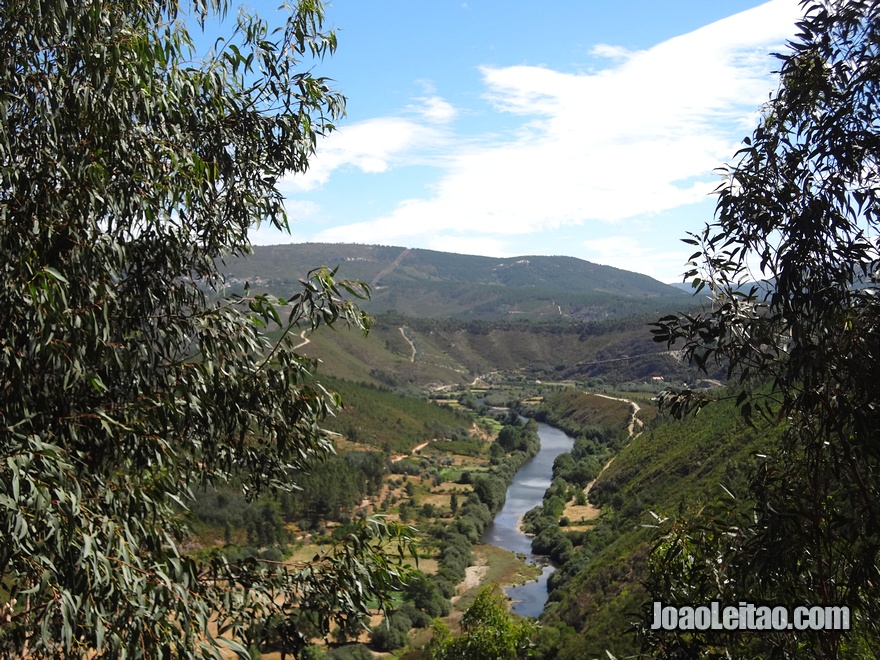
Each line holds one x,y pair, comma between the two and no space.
582,415
130,164
802,199
674,466
328,491
395,423
488,631
429,284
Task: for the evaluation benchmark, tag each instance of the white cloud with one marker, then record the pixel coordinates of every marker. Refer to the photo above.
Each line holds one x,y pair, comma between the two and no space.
434,109
628,253
633,140
300,209
610,52
372,146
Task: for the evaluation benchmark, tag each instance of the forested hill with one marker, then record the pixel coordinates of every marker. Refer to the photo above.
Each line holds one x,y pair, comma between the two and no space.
426,283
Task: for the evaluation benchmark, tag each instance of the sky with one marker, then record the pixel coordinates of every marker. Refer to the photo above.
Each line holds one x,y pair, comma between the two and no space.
586,128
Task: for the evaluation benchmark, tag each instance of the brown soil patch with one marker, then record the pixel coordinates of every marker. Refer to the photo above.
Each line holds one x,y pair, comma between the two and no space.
581,513
473,577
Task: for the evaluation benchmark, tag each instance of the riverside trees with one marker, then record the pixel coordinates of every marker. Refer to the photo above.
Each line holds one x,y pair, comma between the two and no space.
799,206
130,164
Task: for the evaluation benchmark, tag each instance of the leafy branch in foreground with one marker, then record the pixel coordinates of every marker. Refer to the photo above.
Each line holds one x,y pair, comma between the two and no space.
801,206
130,166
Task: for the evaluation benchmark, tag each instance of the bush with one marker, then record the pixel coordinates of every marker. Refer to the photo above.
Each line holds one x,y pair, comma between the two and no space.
418,618
391,633
424,593
351,652
545,542
444,584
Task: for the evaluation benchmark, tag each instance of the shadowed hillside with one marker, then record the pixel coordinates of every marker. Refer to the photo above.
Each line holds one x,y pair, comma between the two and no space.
673,466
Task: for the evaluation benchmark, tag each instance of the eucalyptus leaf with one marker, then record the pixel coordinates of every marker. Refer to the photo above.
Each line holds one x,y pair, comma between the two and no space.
131,164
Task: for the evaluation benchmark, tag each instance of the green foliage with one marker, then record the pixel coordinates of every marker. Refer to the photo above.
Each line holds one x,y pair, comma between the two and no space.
462,447
596,592
512,438
391,633
491,491
489,632
350,652
130,164
332,488
430,284
425,596
418,618
389,420
802,202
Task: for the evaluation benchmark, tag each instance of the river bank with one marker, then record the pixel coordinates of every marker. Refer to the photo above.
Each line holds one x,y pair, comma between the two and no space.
526,491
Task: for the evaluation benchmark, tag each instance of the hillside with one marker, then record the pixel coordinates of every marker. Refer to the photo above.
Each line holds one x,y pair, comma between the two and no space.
394,423
430,284
402,352
674,466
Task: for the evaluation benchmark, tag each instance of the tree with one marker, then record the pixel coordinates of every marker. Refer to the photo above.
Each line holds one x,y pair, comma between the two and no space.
392,633
800,206
422,591
489,632
130,166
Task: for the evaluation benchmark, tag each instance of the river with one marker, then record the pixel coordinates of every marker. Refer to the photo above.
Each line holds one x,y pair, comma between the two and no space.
525,492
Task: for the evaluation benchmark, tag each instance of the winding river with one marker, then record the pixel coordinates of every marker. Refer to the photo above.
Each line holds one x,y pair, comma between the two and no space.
525,492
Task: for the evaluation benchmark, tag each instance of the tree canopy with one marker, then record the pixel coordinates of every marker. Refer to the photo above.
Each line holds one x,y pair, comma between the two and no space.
131,164
488,632
799,209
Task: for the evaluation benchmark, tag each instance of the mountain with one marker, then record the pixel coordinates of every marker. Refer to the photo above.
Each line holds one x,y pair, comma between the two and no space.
430,284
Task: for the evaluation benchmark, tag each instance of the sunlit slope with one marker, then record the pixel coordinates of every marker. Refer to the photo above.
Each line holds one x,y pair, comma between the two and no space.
430,284
674,466
424,352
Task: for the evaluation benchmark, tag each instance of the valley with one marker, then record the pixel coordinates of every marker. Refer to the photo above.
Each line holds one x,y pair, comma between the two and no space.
215,449
429,435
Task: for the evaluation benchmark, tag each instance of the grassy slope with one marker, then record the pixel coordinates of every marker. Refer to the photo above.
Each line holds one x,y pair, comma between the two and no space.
389,421
456,353
383,358
573,410
671,466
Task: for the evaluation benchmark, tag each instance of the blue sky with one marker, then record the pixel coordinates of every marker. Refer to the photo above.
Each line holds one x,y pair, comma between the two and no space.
587,128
